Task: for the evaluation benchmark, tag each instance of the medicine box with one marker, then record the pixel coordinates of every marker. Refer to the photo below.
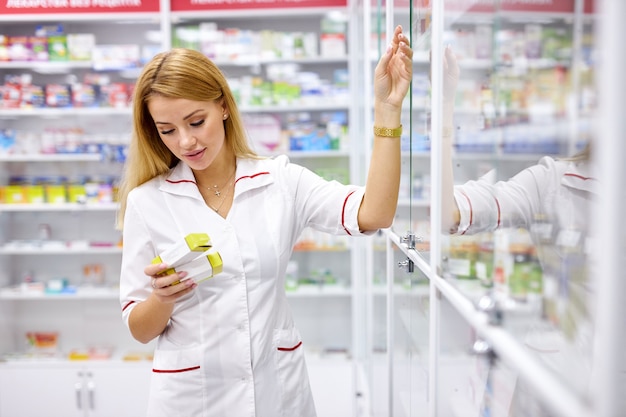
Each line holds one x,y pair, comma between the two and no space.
200,269
203,268
185,250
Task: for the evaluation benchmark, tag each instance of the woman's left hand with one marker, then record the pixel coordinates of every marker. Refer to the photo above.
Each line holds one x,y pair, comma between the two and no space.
394,71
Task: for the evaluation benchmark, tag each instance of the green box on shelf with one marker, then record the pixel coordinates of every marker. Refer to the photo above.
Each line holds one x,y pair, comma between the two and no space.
57,48
186,37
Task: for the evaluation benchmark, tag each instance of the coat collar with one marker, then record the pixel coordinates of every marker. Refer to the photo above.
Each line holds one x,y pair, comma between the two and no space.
251,174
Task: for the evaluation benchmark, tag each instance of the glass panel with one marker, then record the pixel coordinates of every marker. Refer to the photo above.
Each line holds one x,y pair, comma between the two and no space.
472,380
378,366
410,340
414,200
514,138
409,297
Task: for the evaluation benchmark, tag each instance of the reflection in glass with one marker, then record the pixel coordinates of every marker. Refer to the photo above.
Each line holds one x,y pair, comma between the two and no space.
518,149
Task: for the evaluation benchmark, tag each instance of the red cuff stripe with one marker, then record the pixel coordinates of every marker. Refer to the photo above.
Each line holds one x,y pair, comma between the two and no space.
471,219
343,214
499,217
127,305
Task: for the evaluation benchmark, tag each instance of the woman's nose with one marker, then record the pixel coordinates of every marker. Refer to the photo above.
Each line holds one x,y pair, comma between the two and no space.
187,139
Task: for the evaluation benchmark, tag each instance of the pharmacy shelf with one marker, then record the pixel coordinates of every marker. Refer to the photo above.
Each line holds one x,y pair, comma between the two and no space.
89,293
109,18
325,104
481,156
316,154
68,250
46,66
70,207
319,104
510,16
250,61
322,291
81,293
57,157
96,157
65,111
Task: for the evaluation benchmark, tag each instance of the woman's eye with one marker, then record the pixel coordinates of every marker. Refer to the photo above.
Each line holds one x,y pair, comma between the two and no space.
166,132
198,123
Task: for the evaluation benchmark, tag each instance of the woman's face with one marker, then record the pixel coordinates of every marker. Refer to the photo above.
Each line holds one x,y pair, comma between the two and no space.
192,130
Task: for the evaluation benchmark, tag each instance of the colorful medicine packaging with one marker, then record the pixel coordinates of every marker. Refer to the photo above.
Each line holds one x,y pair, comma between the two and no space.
190,255
185,250
200,269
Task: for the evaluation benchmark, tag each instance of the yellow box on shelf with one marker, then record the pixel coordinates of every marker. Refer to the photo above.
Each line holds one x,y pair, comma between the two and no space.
35,194
56,193
76,193
14,194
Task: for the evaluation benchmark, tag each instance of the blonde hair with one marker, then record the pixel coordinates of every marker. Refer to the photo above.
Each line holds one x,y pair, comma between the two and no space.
178,73
583,155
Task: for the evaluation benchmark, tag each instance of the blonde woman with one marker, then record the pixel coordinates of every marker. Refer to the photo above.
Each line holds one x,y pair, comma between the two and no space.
229,346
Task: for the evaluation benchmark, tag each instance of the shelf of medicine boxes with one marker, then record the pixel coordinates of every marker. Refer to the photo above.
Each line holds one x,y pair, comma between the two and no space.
240,56
137,26
18,293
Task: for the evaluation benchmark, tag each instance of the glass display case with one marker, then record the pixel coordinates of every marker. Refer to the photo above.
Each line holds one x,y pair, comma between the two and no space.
498,299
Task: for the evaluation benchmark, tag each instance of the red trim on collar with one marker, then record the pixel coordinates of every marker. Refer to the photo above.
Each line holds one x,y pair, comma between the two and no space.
252,176
569,174
343,214
193,182
181,181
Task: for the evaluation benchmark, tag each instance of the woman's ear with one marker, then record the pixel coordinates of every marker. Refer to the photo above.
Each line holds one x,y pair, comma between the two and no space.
225,112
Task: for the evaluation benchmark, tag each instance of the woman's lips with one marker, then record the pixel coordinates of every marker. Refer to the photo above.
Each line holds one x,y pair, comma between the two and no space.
194,156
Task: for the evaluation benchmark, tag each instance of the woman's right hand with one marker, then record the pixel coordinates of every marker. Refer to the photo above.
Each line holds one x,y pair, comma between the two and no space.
168,288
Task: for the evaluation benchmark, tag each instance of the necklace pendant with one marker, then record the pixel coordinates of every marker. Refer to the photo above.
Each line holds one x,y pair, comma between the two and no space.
217,193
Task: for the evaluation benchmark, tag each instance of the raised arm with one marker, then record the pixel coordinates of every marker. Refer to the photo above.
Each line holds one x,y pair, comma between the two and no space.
392,79
450,211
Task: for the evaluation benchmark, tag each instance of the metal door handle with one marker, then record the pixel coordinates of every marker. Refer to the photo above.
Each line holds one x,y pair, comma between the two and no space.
78,388
91,388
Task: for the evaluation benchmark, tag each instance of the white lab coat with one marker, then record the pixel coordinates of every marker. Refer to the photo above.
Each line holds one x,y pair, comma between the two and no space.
231,347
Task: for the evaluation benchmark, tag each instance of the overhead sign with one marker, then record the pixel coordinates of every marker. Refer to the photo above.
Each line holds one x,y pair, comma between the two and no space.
77,6
187,5
548,6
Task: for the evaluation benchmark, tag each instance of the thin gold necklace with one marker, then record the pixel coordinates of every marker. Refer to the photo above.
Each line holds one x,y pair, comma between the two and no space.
216,189
226,193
